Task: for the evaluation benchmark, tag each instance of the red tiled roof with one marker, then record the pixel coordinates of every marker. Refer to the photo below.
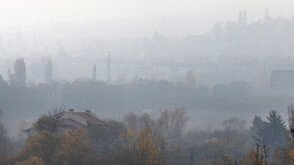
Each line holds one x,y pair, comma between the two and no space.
72,123
90,119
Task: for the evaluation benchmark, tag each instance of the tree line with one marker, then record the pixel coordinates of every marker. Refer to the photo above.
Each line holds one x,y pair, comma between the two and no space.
142,139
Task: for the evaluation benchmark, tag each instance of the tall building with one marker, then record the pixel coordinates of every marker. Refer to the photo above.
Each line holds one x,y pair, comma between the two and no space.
242,18
19,76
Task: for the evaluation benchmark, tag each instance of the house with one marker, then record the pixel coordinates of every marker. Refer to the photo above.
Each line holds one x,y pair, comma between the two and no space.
76,120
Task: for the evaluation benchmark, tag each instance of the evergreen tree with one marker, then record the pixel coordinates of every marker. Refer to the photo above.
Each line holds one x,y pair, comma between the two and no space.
274,132
257,125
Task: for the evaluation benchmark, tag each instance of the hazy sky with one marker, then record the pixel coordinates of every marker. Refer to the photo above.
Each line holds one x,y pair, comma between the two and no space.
22,12
132,18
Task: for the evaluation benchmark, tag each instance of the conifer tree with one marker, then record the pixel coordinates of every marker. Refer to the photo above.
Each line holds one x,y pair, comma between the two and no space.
274,132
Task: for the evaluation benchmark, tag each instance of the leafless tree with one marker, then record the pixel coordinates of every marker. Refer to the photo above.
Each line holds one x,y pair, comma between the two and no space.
51,121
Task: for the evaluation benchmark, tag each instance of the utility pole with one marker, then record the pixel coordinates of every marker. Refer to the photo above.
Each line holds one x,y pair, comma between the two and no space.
108,70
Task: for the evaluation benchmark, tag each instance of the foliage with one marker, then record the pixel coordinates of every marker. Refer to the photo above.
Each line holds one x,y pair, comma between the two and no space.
51,121
260,155
234,124
170,124
75,147
143,140
290,153
43,146
143,149
228,161
3,137
274,132
5,144
148,148
72,148
257,157
257,125
7,160
32,160
105,136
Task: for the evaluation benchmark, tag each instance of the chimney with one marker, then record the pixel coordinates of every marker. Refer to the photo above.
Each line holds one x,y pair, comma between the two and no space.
88,112
70,110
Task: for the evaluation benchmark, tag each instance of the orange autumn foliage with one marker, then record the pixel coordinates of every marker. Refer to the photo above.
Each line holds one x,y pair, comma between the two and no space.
32,161
143,148
43,146
147,148
75,147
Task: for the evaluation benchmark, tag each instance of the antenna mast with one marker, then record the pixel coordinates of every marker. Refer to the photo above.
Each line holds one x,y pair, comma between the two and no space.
108,70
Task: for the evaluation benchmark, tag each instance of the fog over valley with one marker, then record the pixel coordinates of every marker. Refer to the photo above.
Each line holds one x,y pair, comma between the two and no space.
146,82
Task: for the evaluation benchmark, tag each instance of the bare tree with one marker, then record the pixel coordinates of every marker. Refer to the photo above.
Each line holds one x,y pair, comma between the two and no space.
178,122
51,121
164,122
131,121
234,124
170,123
